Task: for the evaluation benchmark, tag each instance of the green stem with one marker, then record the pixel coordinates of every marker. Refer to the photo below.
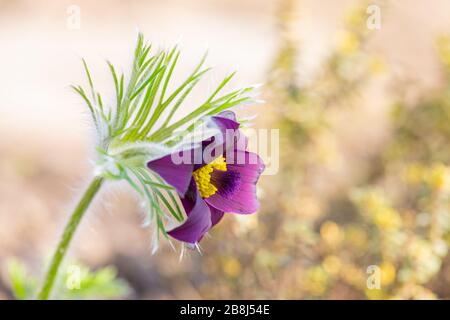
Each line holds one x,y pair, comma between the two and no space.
66,237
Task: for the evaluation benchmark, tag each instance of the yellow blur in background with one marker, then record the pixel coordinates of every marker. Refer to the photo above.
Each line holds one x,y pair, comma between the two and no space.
359,208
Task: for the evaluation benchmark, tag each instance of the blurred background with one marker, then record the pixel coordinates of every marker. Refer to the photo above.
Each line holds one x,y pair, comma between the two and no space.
364,116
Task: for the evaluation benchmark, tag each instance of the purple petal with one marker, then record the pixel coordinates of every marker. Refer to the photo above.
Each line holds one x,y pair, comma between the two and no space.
228,125
226,121
176,175
227,114
237,186
198,220
216,215
228,139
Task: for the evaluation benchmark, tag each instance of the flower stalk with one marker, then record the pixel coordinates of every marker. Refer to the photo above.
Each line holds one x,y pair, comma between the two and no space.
67,236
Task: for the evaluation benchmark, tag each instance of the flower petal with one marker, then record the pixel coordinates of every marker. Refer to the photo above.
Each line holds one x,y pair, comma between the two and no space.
226,120
198,220
216,215
176,175
228,125
228,139
238,196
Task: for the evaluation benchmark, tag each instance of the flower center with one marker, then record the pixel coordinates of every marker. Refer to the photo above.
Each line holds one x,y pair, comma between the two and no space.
202,177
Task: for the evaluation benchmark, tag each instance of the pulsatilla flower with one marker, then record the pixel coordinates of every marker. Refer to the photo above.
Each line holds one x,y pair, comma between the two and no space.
137,131
223,179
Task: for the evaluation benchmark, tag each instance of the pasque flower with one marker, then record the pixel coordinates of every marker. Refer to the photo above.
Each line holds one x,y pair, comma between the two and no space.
137,131
224,180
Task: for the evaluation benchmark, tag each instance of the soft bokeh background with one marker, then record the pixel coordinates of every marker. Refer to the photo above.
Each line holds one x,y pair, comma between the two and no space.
364,119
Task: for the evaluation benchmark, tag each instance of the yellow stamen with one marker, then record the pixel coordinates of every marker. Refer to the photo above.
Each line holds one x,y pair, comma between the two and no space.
202,177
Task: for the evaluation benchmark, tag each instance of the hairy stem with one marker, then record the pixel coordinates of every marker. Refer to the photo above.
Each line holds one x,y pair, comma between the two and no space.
66,237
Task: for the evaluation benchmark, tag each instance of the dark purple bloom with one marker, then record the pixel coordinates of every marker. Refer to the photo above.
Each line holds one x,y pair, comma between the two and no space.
224,180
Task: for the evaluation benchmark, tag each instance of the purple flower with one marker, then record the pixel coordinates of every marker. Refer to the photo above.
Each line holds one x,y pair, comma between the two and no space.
222,180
